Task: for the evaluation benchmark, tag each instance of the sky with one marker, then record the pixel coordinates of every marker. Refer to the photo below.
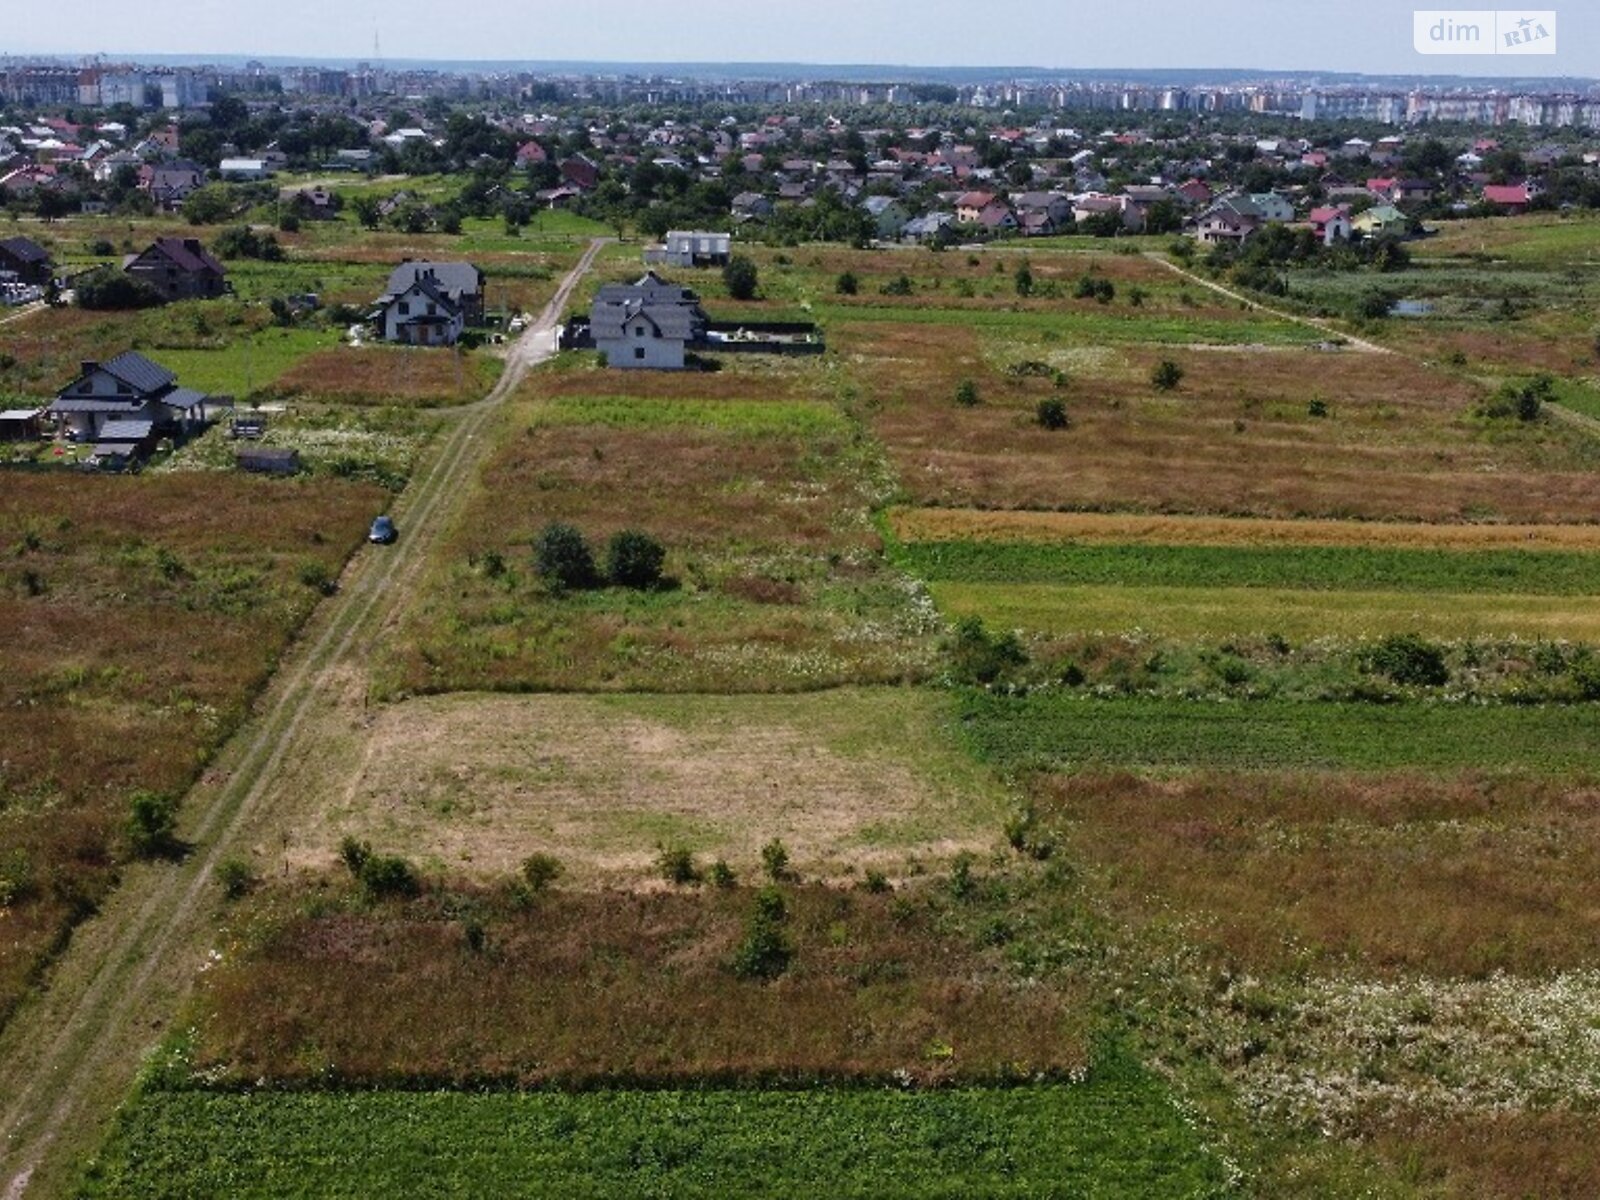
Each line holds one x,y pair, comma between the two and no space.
1370,36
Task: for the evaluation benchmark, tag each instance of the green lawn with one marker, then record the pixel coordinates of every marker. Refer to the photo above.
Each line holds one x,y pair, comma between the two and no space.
249,364
753,418
1063,731
1115,1135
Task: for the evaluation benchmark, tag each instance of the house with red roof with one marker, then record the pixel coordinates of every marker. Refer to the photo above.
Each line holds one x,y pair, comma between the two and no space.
1331,223
970,205
1512,198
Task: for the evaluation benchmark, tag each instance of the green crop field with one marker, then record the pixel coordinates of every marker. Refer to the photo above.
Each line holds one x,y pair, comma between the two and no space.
1332,568
1299,613
753,418
1063,731
1115,1135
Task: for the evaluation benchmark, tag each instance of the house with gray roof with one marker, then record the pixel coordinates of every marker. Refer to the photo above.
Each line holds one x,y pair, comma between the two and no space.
127,402
430,303
180,269
646,325
26,259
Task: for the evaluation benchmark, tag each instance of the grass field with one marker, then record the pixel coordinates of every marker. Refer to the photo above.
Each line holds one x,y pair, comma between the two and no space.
764,508
387,375
1113,1135
144,613
1064,731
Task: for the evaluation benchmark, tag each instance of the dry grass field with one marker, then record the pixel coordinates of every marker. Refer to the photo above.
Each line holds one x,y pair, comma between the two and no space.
141,616
1236,438
388,375
586,988
473,784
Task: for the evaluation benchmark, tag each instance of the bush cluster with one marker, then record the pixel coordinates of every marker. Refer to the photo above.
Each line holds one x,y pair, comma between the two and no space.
563,560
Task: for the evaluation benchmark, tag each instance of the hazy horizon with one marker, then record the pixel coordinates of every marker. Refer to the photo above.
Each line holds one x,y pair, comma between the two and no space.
1371,37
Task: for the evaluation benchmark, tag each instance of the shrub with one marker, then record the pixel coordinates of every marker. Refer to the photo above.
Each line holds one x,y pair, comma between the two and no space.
634,560
153,824
764,953
316,576
563,560
235,877
1024,281
1522,399
775,860
385,875
16,877
722,875
1051,414
109,289
1317,408
1407,659
539,871
289,223
354,855
967,394
1166,376
740,278
847,284
677,865
981,657
898,286
877,882
962,884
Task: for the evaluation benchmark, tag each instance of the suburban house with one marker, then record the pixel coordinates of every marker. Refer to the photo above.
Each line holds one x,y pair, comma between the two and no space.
1227,223
179,268
27,260
1272,206
1511,198
429,304
889,216
1383,221
1331,224
997,217
751,206
926,229
123,406
685,248
1091,205
970,206
1053,205
169,184
244,169
1140,198
646,325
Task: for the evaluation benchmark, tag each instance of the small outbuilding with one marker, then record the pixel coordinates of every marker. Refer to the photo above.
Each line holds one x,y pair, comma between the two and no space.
268,460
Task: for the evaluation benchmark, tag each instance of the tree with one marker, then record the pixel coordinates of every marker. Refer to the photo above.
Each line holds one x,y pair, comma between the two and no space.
563,560
366,210
108,288
1024,280
1166,376
740,278
1052,413
153,824
848,285
634,559
209,205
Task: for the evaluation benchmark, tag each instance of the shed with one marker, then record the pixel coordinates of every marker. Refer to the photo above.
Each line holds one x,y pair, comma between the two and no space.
268,460
21,424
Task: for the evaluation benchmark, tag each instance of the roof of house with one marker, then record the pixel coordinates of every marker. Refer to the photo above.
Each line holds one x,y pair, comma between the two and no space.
23,250
1508,193
979,200
126,431
187,254
672,310
135,370
455,279
183,398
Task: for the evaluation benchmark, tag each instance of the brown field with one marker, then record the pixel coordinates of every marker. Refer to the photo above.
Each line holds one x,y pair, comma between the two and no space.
474,784
141,614
780,583
1507,1157
1456,876
617,988
1117,529
389,375
1517,349
746,377
1235,439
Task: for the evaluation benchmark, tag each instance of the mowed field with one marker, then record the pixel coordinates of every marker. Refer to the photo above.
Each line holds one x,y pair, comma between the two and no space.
142,614
1260,792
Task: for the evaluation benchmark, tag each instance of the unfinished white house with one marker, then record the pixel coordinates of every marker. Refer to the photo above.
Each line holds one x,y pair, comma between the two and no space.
646,325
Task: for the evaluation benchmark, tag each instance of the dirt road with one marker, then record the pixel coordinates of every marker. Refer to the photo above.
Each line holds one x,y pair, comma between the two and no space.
69,1057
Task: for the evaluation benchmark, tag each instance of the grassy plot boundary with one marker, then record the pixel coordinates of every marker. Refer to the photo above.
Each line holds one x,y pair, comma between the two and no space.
758,418
1054,731
1115,1134
1165,529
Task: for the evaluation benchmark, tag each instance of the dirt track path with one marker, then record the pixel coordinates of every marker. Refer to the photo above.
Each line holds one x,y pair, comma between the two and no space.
1354,342
68,1058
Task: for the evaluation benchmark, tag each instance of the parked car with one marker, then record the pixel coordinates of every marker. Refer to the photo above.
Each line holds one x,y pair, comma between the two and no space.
383,531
